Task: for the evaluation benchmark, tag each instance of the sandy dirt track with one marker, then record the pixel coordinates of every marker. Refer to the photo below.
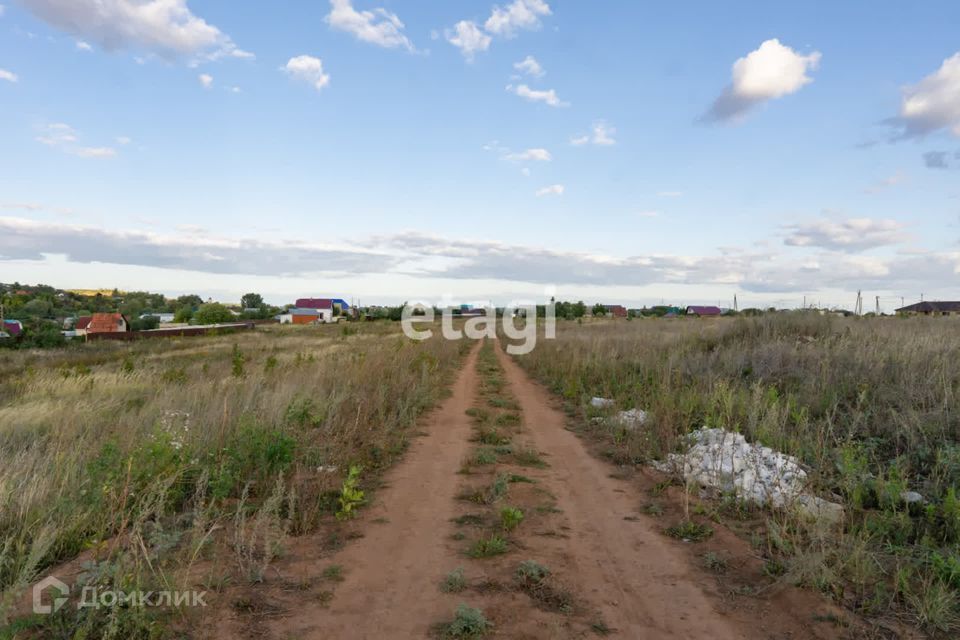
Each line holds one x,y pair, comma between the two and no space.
619,566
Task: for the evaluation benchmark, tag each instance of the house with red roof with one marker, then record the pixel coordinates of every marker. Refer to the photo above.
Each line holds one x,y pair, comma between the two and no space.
81,324
107,323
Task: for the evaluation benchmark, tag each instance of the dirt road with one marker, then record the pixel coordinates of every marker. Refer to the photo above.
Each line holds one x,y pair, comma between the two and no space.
612,570
643,587
391,574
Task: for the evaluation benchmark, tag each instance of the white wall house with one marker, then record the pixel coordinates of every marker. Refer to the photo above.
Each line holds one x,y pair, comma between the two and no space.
307,316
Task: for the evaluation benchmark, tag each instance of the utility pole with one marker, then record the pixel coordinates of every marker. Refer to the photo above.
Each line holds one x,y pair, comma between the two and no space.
878,305
735,307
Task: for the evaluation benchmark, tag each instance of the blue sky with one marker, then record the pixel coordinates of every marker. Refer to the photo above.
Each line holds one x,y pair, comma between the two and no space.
393,149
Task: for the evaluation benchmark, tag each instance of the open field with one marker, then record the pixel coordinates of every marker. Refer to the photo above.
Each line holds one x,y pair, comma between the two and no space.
146,458
281,473
868,405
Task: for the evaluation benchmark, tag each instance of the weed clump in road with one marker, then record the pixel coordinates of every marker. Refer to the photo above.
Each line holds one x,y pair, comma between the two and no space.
510,518
454,582
487,547
531,571
467,623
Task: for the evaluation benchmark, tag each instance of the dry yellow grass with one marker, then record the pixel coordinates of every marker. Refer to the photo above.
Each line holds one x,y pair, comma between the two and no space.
111,438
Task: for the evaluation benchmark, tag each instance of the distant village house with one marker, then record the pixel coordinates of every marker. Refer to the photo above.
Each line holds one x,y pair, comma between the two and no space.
704,311
107,323
931,308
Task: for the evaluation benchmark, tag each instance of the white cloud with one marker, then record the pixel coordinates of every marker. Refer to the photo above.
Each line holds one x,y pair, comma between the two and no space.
423,258
308,69
57,134
379,26
548,97
206,80
601,134
771,71
540,155
934,102
9,76
851,235
519,14
123,140
552,190
530,66
165,27
469,38
94,152
62,136
83,46
22,239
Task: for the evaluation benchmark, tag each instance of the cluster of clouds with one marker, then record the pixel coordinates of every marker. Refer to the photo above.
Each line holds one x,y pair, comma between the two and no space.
379,26
820,256
853,234
169,29
600,134
65,138
822,252
504,22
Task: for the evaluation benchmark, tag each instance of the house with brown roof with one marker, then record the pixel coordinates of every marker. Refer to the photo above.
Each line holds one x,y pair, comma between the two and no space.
704,311
107,323
931,308
616,310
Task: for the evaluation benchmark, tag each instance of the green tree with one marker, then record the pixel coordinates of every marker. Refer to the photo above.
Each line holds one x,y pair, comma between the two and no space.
183,314
42,333
212,313
251,301
145,323
599,310
193,301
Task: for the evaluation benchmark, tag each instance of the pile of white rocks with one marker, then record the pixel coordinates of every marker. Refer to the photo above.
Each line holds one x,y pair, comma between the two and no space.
725,461
630,419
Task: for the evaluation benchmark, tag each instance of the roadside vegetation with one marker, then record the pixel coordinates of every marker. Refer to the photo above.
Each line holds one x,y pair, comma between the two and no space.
144,461
870,407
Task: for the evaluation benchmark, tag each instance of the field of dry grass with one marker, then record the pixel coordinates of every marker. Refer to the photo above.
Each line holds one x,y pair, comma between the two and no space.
141,456
868,405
